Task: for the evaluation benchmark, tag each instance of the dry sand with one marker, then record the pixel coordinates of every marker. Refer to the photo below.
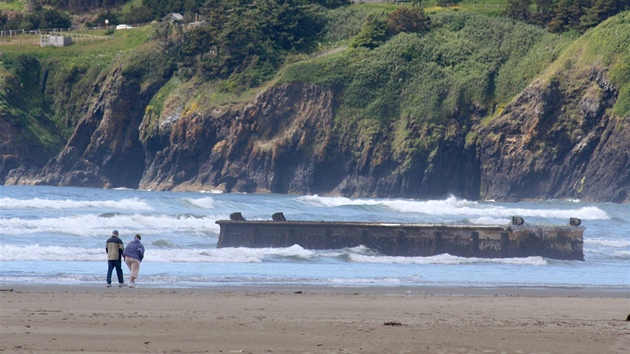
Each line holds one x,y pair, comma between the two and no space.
311,320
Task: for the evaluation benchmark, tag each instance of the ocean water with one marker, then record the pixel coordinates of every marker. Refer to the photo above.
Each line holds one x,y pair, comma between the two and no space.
56,236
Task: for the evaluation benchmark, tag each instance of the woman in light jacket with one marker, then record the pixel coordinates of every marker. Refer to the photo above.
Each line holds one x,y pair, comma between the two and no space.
134,253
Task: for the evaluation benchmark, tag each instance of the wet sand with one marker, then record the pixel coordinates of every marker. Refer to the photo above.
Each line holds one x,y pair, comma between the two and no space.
94,319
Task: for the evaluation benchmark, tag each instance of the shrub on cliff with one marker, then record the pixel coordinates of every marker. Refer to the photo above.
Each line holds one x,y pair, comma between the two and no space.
373,33
342,23
409,20
379,27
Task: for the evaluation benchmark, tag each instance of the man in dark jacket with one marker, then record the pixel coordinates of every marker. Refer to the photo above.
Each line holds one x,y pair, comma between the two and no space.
114,248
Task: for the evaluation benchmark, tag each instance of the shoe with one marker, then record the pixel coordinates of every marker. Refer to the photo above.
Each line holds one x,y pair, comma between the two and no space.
132,285
109,285
120,285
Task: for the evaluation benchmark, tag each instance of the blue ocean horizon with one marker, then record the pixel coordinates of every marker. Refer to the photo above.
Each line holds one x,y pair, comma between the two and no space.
56,236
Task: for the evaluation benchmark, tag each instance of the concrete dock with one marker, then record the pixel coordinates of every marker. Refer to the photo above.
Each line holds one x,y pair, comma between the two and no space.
516,239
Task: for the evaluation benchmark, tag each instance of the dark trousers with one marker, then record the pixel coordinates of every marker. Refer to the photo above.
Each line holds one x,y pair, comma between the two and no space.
110,267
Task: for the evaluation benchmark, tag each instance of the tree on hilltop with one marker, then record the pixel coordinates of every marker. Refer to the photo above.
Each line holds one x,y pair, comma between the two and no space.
378,28
245,41
601,10
373,33
568,15
518,9
410,20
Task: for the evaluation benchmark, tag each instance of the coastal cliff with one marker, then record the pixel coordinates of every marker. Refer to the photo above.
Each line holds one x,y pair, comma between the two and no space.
558,138
286,141
558,144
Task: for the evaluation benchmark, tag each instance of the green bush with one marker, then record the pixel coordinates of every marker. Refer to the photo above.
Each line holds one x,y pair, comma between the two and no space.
373,33
342,23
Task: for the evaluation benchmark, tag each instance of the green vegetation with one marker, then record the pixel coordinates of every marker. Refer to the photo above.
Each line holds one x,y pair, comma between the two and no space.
557,15
466,65
465,60
154,108
22,99
565,15
389,65
379,27
12,5
71,73
603,47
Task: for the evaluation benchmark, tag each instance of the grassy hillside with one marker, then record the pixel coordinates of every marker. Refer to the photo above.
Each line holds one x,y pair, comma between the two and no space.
29,132
12,5
466,60
44,90
72,69
607,48
468,66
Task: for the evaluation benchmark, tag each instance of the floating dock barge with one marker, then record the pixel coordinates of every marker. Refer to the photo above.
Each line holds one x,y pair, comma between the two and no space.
409,240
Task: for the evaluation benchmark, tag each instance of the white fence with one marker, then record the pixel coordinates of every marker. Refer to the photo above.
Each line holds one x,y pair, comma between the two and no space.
59,30
433,3
21,32
28,37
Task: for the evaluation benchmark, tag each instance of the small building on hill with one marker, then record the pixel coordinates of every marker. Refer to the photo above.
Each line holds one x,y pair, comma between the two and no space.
173,17
53,40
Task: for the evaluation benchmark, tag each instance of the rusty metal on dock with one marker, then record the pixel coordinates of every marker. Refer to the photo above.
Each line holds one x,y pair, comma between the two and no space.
516,239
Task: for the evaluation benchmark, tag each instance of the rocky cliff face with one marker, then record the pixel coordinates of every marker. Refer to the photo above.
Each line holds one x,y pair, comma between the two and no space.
284,141
559,141
553,141
272,145
288,141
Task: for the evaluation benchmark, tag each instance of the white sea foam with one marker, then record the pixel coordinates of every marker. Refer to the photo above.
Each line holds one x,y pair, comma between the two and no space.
447,259
360,281
607,243
622,254
453,206
93,224
60,279
212,191
37,203
236,255
10,252
585,213
337,201
204,203
49,253
487,220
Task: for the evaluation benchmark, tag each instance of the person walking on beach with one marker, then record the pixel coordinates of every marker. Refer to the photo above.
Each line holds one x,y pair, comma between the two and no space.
134,253
114,248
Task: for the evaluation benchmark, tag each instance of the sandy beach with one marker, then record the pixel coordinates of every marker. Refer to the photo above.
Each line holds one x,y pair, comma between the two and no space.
92,319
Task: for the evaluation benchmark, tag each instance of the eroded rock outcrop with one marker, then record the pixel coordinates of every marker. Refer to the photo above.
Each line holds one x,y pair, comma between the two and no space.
270,145
559,141
289,140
